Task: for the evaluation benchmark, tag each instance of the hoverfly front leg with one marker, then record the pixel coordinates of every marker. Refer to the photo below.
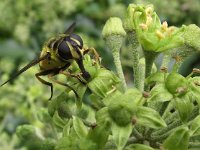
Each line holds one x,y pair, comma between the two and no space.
85,74
94,52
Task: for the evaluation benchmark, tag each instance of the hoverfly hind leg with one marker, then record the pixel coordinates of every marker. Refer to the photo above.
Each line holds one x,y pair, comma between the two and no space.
43,73
50,76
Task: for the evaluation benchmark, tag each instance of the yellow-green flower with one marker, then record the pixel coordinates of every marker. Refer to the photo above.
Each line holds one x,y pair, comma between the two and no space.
152,34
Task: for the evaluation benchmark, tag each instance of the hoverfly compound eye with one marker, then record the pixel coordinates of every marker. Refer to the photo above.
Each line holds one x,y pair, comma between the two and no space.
64,51
78,39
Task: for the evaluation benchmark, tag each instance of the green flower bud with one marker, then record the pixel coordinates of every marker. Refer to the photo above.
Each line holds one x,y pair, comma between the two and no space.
176,84
128,22
120,114
113,26
152,35
192,36
113,32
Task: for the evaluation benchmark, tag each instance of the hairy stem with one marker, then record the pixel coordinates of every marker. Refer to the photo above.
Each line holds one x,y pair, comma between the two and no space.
114,42
150,56
118,66
134,45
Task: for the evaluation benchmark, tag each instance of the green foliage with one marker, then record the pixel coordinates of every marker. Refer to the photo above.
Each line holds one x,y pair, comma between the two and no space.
179,139
163,113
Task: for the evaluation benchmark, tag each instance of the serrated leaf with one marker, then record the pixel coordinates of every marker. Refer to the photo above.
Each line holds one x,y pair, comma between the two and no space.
121,135
79,127
149,117
138,147
178,140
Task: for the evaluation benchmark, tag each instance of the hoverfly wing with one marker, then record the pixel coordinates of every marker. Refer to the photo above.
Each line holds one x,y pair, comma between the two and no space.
71,28
29,65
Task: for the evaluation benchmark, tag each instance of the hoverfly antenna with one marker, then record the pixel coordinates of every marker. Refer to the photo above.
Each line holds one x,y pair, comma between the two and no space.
71,28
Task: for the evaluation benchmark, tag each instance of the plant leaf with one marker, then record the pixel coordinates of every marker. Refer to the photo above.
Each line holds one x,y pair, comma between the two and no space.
149,117
121,135
195,126
58,121
66,129
99,134
138,147
160,94
178,140
184,107
79,127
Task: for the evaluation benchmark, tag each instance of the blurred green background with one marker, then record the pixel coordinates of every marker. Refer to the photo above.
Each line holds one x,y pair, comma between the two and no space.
26,25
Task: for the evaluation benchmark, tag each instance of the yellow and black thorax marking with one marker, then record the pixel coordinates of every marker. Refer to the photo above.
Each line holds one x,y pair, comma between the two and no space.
63,49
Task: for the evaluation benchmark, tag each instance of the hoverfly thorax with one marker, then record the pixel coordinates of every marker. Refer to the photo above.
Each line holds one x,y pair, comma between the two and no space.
70,47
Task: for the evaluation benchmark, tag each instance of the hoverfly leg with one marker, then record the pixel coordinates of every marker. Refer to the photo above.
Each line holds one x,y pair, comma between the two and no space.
77,76
95,53
50,76
43,73
85,74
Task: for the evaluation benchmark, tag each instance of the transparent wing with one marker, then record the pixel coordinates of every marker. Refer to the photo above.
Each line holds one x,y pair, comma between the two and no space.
71,28
29,65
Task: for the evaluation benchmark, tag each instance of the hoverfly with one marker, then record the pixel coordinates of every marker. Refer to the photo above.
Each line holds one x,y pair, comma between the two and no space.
57,55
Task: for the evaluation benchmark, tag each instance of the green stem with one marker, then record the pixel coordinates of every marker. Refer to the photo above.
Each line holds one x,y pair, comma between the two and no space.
134,44
118,66
150,56
137,134
164,133
114,42
194,145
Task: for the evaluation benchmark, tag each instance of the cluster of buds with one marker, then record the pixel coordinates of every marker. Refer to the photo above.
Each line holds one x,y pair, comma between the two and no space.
152,34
